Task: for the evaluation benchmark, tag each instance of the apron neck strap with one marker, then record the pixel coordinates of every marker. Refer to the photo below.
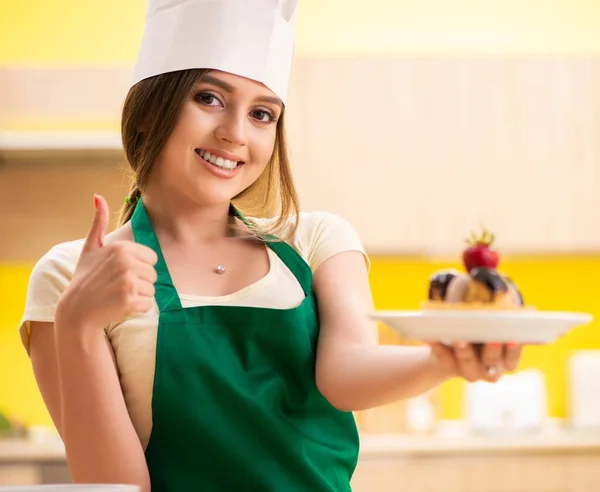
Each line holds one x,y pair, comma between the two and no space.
288,255
143,233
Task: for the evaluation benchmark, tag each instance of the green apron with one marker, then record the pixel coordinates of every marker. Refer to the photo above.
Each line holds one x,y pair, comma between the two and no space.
235,405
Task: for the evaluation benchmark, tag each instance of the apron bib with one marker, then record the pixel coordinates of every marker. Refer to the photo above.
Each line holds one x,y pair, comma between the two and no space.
235,405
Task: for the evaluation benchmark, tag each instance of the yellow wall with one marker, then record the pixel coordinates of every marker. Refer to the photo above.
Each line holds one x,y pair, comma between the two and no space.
568,283
548,282
85,33
107,32
19,396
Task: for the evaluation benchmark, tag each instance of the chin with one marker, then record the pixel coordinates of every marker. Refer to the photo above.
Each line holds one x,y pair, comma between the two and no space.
213,196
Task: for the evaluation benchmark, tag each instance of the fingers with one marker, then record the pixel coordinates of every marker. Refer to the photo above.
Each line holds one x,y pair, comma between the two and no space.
145,289
146,278
512,356
469,364
95,237
145,272
495,359
143,253
141,305
492,361
128,251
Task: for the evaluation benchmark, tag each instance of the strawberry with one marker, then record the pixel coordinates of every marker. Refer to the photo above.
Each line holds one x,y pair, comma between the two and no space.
479,252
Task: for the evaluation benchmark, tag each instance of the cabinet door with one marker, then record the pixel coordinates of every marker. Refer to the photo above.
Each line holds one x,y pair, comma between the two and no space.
456,473
410,475
19,475
584,473
55,473
510,143
515,473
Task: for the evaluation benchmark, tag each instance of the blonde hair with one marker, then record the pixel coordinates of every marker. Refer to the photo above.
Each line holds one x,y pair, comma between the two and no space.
150,113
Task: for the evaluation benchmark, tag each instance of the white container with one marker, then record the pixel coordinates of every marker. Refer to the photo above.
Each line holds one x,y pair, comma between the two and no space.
584,389
518,402
420,415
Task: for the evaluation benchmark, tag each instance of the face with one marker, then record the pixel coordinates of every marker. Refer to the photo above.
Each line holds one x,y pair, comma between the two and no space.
222,142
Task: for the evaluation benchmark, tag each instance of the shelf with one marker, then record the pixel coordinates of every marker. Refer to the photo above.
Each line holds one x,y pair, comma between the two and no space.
49,145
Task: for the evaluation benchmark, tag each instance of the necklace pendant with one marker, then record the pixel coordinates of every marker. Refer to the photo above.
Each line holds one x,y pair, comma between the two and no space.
220,269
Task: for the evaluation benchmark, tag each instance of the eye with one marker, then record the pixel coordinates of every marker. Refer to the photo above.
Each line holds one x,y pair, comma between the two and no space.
208,99
263,116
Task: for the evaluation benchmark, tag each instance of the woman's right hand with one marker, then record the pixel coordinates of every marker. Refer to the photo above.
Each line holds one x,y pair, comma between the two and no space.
111,282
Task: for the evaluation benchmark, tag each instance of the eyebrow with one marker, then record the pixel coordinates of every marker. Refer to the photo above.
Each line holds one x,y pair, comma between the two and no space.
209,79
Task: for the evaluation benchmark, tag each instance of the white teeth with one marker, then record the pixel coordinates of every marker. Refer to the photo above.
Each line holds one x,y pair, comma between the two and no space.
218,161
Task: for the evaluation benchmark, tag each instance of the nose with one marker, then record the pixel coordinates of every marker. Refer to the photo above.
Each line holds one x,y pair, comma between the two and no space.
232,129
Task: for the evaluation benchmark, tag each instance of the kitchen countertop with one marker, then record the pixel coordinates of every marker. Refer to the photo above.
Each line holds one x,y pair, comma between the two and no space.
21,450
380,446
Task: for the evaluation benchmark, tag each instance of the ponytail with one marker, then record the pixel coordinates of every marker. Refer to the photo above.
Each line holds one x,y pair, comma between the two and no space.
130,203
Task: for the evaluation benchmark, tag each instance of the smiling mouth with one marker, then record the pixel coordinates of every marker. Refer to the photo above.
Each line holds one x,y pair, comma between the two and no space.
219,162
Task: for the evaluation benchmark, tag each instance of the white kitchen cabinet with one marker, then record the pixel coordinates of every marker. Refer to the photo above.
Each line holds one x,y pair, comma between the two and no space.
558,463
483,465
434,147
444,145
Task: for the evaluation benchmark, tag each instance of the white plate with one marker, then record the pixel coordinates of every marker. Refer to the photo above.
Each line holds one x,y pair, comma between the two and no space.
535,327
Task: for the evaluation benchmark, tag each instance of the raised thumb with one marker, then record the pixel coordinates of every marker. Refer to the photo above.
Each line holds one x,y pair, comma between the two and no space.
95,237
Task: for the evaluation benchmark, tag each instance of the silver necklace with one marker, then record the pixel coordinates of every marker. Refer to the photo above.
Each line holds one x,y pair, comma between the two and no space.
220,269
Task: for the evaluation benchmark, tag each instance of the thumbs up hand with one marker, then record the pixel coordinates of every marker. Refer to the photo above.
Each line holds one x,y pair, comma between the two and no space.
111,282
95,238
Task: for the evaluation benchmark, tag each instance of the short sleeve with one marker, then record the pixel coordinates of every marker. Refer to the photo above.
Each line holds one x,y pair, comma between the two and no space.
324,235
49,278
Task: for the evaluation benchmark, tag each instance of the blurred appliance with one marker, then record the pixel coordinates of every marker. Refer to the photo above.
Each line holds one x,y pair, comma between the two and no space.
518,402
584,389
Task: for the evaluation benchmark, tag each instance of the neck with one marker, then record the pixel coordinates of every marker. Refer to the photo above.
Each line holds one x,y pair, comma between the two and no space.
185,222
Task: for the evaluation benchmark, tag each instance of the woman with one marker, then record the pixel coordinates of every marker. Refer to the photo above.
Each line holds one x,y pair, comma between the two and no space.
193,348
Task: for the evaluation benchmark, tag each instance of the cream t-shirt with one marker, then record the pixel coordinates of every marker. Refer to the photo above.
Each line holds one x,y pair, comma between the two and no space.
320,235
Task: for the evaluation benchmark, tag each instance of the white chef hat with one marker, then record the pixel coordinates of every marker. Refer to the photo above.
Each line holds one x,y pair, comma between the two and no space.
250,38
